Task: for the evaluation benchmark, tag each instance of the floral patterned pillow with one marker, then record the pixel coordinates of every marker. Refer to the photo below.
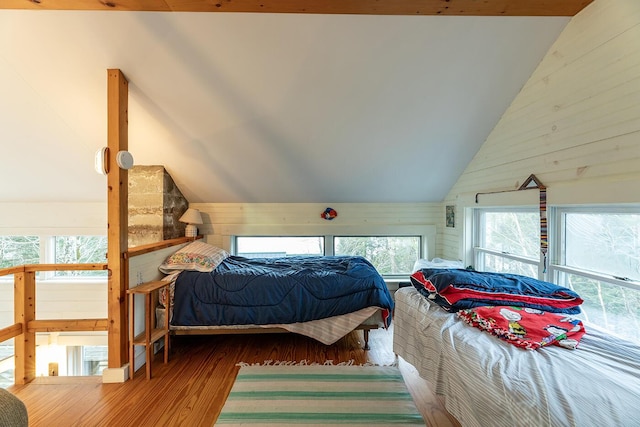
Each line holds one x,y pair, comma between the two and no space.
196,256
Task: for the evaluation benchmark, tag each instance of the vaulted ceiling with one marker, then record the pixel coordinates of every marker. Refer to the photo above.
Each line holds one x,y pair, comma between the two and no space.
331,105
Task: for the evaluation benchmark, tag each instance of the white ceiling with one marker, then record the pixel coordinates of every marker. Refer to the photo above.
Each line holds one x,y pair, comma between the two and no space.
260,107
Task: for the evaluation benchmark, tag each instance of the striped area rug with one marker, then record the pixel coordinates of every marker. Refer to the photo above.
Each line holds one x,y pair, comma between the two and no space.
319,396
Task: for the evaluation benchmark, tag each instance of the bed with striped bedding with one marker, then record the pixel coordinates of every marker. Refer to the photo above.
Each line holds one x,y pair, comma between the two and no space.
488,382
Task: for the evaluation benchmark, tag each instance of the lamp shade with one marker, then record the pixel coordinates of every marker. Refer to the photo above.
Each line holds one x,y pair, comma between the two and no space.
191,216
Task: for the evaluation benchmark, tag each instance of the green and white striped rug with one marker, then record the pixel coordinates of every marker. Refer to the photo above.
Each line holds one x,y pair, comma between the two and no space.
319,395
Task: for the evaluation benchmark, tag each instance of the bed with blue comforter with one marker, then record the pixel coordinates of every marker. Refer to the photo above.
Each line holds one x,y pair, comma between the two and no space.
324,297
263,291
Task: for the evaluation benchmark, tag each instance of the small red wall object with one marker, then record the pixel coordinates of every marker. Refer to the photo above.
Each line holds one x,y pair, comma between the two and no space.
329,214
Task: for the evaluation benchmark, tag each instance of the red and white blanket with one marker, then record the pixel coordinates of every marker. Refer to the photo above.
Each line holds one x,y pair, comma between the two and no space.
526,327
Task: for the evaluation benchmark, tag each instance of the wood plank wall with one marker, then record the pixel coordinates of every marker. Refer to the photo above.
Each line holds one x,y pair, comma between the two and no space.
222,220
575,123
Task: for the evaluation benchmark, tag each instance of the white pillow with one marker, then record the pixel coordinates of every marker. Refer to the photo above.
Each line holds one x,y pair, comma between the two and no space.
436,263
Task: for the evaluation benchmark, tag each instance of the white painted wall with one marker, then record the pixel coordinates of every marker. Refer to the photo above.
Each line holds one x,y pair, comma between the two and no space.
54,219
575,124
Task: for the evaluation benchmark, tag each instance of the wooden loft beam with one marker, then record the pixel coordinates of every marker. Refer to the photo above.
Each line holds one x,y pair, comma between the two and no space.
362,7
117,221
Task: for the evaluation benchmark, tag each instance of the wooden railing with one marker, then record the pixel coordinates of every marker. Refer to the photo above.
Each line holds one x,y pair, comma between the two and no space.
25,322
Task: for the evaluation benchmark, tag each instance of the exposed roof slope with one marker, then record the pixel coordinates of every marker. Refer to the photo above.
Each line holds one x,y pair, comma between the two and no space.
260,107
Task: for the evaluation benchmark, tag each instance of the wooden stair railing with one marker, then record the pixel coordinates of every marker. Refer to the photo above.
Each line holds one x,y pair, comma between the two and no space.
25,323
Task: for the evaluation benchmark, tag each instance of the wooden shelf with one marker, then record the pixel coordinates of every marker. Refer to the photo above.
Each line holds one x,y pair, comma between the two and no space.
156,334
151,334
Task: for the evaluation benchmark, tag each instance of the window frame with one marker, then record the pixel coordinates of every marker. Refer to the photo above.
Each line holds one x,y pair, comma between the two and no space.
557,238
426,233
236,237
557,271
390,276
48,256
479,234
330,242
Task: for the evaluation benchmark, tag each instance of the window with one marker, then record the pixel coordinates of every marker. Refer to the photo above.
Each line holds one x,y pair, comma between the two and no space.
85,360
278,246
390,255
7,364
608,243
80,250
19,250
507,241
598,256
22,250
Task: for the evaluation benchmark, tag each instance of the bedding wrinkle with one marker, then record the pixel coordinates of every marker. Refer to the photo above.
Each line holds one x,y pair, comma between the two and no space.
324,298
489,383
276,290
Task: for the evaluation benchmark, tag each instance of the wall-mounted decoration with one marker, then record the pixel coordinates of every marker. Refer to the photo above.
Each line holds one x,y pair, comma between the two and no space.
329,214
451,216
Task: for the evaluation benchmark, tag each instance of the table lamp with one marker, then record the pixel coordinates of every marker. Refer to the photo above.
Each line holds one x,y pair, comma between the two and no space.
191,217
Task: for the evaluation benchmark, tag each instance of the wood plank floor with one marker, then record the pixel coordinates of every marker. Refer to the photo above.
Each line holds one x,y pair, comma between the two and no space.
191,389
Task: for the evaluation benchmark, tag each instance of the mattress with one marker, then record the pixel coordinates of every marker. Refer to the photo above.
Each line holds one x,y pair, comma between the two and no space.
487,382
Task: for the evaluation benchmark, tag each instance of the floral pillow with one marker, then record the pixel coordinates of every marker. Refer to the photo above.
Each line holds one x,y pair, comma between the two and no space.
196,256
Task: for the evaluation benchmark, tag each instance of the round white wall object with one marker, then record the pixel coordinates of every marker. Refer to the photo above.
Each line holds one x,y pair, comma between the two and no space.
124,159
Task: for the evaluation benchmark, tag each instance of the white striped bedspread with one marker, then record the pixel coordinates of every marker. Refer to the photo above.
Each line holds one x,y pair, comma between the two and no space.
488,382
327,331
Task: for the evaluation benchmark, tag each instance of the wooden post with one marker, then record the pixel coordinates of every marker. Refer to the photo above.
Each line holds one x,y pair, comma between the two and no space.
24,312
117,206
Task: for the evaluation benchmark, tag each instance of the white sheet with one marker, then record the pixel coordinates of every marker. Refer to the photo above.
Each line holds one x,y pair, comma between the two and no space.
487,382
327,331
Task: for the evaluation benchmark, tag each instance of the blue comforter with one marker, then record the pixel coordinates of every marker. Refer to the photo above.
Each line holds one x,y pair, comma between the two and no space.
261,291
458,289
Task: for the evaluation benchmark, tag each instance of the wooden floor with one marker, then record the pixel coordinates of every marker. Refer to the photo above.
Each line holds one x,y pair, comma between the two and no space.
191,389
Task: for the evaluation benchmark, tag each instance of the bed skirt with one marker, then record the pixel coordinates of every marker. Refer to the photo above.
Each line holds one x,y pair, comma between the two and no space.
327,331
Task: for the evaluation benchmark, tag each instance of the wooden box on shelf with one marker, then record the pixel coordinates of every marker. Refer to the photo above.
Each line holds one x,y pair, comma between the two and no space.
151,334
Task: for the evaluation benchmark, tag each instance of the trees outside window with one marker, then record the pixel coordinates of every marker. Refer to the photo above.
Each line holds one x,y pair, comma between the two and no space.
81,250
19,250
507,241
598,256
593,250
390,255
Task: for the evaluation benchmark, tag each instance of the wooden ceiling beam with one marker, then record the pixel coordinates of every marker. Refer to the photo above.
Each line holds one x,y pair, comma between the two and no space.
361,7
